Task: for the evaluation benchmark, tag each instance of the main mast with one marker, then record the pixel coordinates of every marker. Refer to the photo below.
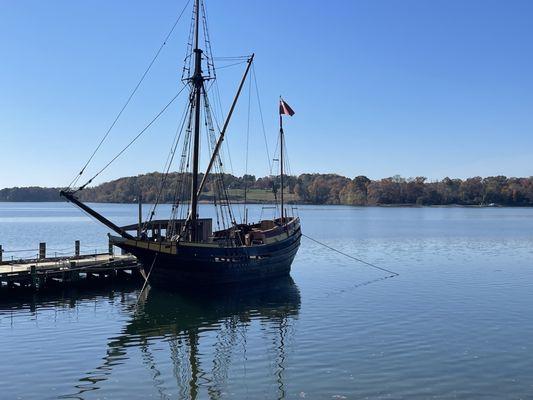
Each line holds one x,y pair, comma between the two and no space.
198,82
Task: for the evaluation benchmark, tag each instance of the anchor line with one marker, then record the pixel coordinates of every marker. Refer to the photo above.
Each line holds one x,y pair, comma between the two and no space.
393,274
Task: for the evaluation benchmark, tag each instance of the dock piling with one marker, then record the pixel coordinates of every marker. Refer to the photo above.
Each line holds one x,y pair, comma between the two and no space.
1,253
139,227
42,251
33,273
77,248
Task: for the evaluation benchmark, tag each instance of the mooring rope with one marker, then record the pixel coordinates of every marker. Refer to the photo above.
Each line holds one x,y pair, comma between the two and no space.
393,274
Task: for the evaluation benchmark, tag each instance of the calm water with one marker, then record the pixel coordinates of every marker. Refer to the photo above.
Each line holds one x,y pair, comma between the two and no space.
456,323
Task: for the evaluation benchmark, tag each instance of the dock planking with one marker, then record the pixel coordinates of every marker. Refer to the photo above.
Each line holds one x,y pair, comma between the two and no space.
42,273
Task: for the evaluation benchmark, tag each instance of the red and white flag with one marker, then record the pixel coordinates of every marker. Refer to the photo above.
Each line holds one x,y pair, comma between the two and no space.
285,109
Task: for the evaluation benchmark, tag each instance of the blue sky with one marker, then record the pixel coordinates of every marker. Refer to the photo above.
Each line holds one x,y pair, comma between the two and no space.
380,87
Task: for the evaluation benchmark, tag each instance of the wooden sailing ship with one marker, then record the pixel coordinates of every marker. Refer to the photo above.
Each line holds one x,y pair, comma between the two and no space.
184,249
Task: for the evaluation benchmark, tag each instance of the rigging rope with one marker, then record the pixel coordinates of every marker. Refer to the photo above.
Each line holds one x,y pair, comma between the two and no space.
247,151
179,192
133,140
232,65
274,155
393,274
207,40
232,58
261,115
19,251
75,180
168,164
218,172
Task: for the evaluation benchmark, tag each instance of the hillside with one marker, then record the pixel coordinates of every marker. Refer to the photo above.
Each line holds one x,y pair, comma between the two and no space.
309,189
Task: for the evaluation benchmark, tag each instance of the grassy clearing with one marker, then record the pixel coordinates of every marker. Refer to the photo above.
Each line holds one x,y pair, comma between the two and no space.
253,195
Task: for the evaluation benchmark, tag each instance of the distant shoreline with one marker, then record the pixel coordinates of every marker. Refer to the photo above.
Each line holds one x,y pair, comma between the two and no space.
240,203
315,189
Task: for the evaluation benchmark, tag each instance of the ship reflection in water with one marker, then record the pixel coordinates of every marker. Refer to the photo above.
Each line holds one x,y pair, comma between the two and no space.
203,338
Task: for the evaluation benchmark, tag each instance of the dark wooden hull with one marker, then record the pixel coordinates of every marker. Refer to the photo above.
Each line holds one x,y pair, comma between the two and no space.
210,266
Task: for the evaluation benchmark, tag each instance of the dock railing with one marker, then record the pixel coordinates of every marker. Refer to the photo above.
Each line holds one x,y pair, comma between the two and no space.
42,253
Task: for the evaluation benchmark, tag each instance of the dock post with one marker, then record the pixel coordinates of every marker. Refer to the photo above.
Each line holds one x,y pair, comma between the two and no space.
110,248
140,222
1,253
73,275
77,248
42,251
33,272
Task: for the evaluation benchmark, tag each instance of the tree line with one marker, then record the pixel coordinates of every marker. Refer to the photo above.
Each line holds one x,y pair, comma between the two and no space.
307,189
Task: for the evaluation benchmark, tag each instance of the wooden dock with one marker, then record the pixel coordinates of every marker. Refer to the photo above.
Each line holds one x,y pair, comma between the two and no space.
41,273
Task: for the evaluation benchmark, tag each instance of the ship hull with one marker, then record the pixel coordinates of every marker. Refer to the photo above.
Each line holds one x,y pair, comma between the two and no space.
212,266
